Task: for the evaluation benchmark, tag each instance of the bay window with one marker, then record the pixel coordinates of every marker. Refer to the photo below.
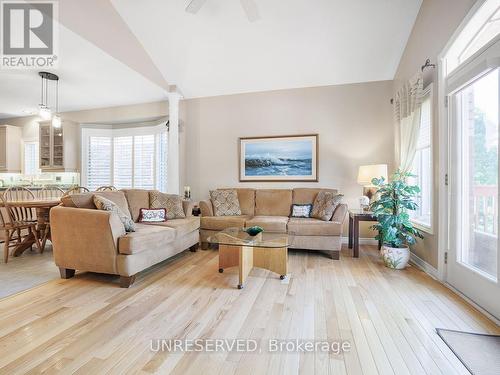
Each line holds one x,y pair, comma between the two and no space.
125,157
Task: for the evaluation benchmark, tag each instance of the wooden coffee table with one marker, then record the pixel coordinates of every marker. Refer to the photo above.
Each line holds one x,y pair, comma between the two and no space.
237,248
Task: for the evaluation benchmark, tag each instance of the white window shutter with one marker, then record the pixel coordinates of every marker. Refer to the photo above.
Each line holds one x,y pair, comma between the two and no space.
126,158
122,162
99,162
144,161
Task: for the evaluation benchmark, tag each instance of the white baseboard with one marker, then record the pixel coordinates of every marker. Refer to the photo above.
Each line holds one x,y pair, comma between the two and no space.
362,241
424,266
471,302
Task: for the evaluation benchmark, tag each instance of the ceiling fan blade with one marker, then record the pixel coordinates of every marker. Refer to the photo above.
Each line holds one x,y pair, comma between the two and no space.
194,6
250,9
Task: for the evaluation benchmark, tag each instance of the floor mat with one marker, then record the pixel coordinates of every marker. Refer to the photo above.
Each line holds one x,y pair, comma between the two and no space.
480,353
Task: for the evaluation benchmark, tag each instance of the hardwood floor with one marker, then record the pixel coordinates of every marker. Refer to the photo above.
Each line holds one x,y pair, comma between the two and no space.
26,271
89,325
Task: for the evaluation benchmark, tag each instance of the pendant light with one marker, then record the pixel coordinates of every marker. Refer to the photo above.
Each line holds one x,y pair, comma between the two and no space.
44,110
56,119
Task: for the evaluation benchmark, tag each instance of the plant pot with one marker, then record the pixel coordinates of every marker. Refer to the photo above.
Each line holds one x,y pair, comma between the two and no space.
395,257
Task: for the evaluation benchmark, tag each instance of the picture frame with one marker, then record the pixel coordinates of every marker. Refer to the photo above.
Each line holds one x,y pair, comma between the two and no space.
279,158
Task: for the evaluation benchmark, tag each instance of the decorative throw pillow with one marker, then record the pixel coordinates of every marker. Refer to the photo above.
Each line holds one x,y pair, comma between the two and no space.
301,210
325,204
106,205
171,202
152,215
225,202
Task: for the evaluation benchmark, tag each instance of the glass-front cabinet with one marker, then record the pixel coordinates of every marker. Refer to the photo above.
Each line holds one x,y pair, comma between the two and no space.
45,148
59,147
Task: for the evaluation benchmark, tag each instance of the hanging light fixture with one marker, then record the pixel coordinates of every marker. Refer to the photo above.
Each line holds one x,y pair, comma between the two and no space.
56,119
44,110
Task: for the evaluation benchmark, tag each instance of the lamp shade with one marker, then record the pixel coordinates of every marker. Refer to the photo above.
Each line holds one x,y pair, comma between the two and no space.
368,172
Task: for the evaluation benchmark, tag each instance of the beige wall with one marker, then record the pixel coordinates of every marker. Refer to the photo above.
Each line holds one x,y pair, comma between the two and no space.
435,23
354,123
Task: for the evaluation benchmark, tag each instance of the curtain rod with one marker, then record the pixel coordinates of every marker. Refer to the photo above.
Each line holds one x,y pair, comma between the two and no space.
427,64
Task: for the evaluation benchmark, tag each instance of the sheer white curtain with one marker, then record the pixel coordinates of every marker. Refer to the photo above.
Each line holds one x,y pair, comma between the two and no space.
407,107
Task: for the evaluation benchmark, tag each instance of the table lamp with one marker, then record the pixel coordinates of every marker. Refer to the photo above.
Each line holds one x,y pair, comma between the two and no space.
365,175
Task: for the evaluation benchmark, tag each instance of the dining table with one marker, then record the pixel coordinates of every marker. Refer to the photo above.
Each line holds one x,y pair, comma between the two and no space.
42,207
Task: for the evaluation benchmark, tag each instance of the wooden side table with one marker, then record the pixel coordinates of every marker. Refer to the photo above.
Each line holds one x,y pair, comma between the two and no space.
355,216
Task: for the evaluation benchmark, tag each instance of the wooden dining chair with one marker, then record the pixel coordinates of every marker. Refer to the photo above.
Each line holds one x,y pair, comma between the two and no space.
47,192
14,229
77,190
51,192
18,193
106,188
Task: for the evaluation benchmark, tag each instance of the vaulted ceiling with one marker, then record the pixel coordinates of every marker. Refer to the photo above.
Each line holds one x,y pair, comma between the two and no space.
127,51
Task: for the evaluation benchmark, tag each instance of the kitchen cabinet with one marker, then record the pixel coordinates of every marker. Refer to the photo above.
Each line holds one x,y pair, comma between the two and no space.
59,147
10,149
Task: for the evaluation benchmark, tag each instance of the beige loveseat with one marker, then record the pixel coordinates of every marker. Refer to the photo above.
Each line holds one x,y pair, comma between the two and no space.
88,239
270,209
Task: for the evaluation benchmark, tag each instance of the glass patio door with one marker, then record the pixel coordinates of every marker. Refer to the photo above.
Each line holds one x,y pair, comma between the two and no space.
473,259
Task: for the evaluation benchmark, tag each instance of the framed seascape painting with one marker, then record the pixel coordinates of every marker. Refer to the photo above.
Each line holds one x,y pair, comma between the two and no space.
279,158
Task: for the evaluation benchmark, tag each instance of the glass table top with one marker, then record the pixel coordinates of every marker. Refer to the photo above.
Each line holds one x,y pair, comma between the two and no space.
238,237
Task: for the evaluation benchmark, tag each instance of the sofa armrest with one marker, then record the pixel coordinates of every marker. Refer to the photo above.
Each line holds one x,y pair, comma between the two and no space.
85,239
340,213
206,208
187,206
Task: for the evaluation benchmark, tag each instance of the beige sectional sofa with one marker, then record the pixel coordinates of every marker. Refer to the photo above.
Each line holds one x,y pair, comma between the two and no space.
88,239
270,209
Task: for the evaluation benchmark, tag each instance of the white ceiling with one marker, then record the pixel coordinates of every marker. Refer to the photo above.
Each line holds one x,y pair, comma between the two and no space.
89,78
296,43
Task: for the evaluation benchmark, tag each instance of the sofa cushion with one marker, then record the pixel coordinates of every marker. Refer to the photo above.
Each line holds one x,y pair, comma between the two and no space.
307,195
313,227
146,237
137,199
246,197
223,222
225,202
325,204
274,224
152,215
172,202
81,200
86,200
301,210
181,226
105,204
273,202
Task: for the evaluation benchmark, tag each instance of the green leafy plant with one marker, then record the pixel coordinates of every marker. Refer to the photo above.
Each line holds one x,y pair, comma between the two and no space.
391,210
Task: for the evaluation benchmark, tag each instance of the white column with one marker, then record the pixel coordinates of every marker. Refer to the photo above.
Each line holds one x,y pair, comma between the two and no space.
173,144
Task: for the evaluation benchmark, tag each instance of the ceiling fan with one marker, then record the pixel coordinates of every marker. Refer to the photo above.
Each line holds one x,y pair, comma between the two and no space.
249,6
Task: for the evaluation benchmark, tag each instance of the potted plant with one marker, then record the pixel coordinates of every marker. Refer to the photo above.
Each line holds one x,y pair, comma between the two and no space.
395,229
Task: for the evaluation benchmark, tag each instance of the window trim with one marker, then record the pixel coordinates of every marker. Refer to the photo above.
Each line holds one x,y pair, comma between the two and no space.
429,229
